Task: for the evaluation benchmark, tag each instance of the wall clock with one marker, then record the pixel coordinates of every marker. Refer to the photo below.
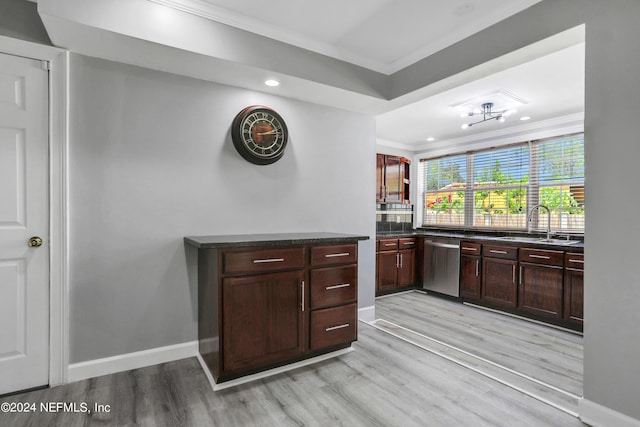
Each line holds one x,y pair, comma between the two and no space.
259,134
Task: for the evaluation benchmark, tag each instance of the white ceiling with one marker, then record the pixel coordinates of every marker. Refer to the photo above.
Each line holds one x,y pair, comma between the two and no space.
552,86
382,35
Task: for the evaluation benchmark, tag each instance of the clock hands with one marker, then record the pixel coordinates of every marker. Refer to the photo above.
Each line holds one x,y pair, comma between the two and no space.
271,132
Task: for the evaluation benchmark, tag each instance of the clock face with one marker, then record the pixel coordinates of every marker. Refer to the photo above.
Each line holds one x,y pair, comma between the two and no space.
259,134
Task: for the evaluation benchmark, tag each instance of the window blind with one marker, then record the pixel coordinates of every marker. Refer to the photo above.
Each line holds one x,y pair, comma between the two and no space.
444,181
559,163
497,188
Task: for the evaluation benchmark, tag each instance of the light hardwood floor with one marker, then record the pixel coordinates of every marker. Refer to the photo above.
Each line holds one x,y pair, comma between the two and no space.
549,354
384,382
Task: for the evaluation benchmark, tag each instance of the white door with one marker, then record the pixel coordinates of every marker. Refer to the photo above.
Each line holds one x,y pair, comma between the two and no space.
24,270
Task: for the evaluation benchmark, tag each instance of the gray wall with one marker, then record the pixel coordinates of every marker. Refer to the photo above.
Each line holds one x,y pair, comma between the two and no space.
19,19
151,161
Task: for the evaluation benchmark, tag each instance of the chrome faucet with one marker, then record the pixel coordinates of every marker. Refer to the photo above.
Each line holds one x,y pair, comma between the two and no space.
530,217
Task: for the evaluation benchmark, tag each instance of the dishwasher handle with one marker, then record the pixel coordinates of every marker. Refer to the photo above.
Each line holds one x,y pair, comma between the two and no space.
441,245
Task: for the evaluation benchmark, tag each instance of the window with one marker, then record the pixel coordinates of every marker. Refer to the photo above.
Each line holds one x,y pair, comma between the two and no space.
445,182
560,183
499,188
496,188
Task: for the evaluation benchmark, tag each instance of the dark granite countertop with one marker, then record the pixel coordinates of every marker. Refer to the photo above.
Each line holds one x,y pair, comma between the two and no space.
501,239
275,239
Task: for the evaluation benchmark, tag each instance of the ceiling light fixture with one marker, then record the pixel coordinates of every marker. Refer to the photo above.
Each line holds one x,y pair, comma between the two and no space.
525,118
272,82
487,113
431,139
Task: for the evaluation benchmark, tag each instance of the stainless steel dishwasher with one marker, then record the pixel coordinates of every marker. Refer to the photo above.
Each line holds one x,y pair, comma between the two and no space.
441,266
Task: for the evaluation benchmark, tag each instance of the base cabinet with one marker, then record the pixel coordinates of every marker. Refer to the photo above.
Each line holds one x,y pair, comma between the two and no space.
499,282
395,264
574,288
470,269
542,283
262,319
540,290
262,307
499,285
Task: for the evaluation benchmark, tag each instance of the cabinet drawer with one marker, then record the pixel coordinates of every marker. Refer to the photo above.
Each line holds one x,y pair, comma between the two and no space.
407,243
332,326
504,252
334,254
574,260
387,244
541,256
259,260
470,248
333,286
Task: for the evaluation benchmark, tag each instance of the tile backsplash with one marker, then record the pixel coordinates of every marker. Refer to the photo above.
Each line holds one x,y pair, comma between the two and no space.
394,217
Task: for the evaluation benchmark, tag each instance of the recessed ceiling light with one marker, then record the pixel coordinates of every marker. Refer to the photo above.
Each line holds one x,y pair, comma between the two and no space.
431,139
525,118
271,82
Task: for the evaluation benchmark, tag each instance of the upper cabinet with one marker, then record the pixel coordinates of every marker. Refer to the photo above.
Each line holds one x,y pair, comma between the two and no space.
392,179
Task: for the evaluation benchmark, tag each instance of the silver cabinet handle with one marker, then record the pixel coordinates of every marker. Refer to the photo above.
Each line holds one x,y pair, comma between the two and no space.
333,328
344,285
302,299
477,267
408,243
577,260
539,256
514,273
397,260
261,261
389,244
520,275
337,255
493,251
469,249
400,260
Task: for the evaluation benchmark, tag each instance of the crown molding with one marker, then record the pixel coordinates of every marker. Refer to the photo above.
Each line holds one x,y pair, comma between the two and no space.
393,144
206,10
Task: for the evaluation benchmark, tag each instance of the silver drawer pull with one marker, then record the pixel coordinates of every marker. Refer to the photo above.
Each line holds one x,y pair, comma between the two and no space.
576,260
470,249
539,256
408,243
344,285
337,255
389,244
333,328
497,252
261,261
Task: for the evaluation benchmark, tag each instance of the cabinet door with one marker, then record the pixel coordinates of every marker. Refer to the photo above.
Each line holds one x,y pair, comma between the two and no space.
379,177
393,179
470,277
407,268
499,282
540,290
574,295
262,319
387,271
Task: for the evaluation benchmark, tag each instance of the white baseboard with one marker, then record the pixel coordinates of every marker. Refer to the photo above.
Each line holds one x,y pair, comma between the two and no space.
270,372
597,415
125,362
367,314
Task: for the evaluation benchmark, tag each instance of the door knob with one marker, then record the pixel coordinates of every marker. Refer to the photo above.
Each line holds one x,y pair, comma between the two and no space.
34,242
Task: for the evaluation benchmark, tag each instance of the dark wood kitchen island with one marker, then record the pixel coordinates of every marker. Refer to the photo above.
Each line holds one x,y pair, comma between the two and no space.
266,301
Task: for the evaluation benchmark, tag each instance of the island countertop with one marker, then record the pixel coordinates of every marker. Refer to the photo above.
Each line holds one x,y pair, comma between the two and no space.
274,239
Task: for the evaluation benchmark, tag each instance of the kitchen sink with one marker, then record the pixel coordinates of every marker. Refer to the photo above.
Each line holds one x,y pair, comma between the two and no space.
543,240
